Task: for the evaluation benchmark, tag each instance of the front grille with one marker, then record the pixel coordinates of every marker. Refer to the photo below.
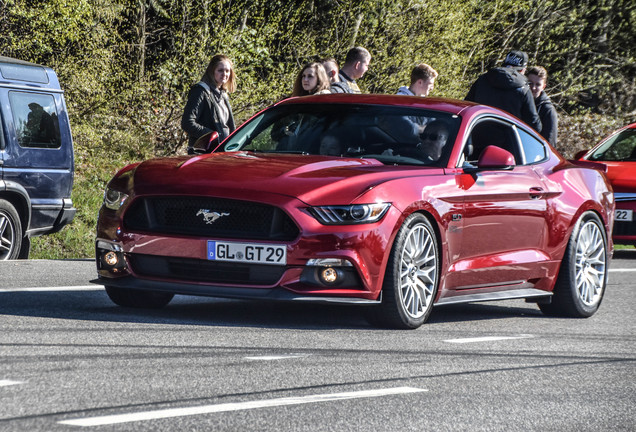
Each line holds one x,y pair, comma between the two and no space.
194,270
210,217
625,228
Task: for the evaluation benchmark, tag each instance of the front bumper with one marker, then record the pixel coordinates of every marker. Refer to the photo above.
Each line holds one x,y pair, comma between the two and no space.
271,294
179,264
625,230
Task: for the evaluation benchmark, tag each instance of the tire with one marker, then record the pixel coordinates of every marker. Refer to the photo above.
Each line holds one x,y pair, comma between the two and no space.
10,231
25,249
582,279
138,298
411,278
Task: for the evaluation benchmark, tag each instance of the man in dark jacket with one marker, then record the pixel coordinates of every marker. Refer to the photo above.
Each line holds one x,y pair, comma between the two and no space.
538,79
507,88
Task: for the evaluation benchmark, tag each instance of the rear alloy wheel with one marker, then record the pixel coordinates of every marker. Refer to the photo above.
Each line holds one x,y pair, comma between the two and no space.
412,276
10,231
580,286
138,298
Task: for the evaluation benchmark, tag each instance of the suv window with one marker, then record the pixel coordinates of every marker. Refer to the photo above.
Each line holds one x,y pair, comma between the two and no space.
35,119
20,72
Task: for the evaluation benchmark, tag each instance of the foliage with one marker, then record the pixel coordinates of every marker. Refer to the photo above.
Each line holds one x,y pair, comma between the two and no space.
126,66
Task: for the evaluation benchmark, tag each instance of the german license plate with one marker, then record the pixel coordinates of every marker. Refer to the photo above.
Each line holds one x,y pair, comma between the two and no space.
247,252
624,215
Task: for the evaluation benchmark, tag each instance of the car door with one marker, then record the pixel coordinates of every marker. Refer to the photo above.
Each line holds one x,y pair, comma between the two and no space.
38,153
505,217
2,145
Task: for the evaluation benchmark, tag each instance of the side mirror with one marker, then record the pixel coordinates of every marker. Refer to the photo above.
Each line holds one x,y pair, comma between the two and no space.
493,157
580,154
206,143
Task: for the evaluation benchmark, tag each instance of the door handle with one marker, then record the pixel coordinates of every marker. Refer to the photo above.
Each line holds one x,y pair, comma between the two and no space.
536,192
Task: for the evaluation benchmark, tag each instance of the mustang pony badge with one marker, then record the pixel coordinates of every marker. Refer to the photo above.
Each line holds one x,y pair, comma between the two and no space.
210,217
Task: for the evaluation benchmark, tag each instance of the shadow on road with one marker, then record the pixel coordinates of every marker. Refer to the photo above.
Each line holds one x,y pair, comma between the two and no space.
203,311
625,253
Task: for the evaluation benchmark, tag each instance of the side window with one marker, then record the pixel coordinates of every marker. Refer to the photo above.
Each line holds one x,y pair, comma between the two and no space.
533,149
491,133
35,119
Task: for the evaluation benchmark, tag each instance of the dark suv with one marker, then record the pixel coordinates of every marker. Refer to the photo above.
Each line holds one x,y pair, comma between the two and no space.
36,156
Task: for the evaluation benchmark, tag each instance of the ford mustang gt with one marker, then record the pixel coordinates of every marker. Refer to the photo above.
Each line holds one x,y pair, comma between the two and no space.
393,203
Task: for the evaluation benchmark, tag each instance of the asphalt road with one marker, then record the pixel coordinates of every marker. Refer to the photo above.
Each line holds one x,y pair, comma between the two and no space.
71,360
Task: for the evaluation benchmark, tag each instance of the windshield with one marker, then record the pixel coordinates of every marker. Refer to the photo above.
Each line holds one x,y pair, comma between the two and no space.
392,135
621,147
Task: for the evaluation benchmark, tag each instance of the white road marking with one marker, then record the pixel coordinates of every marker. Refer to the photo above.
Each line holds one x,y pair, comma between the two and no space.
278,357
56,288
621,270
4,383
237,406
487,339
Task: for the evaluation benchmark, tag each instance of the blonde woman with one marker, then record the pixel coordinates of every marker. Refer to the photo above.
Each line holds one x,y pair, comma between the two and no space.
208,107
312,79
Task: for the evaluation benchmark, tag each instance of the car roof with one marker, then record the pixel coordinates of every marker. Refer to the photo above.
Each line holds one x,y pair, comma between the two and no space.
20,73
452,106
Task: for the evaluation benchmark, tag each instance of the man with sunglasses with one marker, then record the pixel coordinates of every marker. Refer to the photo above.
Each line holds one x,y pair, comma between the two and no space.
433,140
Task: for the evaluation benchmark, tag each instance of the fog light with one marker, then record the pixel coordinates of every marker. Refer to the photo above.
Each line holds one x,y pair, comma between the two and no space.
111,258
329,275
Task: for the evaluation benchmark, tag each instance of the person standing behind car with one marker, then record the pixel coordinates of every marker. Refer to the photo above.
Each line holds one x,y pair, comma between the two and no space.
538,79
422,81
331,67
312,79
507,88
208,107
355,66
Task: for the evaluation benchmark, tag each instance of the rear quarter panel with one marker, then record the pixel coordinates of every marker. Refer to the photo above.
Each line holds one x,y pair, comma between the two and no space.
576,190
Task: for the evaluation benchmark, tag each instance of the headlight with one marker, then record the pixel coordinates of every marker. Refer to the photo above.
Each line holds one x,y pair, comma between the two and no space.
349,214
113,199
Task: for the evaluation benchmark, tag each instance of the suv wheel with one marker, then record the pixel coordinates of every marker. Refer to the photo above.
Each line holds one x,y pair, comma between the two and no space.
25,249
10,231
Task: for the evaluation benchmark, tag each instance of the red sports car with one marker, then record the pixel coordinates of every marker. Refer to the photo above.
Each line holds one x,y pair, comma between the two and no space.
395,203
618,153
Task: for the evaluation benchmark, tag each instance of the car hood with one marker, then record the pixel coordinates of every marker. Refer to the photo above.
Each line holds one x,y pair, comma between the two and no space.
245,174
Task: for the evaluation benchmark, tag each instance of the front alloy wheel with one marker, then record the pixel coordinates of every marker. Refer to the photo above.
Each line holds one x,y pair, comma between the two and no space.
411,278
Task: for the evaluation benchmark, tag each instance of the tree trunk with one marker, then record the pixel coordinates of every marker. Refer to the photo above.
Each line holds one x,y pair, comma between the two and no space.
141,32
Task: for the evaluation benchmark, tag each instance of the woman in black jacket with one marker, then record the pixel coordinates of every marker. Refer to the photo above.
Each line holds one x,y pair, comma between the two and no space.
208,108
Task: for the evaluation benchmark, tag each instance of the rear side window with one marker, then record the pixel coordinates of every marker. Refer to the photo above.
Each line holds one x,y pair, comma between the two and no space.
533,149
35,119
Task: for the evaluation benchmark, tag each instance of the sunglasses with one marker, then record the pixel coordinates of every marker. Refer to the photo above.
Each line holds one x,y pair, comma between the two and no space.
432,136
